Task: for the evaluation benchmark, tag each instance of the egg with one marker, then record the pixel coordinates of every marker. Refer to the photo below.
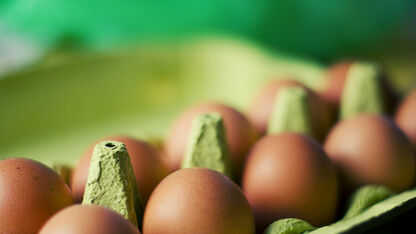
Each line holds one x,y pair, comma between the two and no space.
30,193
261,108
198,200
406,117
335,80
289,176
83,219
240,134
371,149
148,167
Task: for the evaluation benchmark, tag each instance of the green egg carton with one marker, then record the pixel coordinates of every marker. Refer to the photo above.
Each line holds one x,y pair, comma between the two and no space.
55,110
371,209
392,215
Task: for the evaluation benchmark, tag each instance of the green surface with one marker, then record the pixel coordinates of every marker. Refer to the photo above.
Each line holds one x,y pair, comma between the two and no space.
111,182
325,30
207,146
56,110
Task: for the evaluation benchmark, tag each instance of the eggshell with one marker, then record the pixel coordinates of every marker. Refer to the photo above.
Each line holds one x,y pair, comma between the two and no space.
239,133
406,117
197,200
371,149
261,108
290,176
82,219
335,79
148,167
30,193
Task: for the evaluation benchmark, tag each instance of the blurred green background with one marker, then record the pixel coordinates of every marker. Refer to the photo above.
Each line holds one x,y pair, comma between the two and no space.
322,29
128,67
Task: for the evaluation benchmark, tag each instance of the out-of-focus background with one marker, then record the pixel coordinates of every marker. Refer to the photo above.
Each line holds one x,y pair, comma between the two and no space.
74,71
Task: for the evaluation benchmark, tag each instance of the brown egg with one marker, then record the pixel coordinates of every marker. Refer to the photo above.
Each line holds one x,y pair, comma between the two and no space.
148,167
197,200
30,193
289,176
262,108
406,117
335,80
240,134
82,219
371,149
